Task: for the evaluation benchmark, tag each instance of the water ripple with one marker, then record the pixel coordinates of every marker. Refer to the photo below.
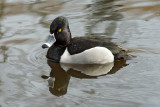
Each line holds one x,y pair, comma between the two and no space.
37,57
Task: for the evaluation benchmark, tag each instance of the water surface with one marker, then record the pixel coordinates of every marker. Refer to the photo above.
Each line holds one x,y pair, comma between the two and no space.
24,71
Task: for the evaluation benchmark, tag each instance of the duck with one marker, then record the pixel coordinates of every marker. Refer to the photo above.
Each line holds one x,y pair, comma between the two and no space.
79,50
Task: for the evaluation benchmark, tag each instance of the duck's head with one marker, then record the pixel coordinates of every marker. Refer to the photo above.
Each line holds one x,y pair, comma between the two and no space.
59,29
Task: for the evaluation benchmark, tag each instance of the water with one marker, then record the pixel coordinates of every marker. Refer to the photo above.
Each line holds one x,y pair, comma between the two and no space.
27,80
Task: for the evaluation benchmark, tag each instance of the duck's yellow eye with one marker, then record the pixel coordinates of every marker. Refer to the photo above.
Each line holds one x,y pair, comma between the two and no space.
58,89
59,30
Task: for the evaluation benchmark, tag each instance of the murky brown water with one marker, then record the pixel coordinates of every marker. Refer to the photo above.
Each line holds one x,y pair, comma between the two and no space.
27,80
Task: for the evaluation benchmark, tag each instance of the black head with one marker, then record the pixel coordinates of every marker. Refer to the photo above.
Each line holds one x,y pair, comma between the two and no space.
60,28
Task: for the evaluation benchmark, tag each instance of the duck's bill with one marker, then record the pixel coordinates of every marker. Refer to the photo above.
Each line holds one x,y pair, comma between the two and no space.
49,41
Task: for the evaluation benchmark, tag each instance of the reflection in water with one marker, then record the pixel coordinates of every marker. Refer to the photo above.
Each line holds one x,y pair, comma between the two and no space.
102,17
90,70
3,55
60,74
139,9
1,14
46,8
103,10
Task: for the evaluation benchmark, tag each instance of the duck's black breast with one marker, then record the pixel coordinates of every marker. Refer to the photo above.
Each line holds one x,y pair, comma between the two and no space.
55,52
80,44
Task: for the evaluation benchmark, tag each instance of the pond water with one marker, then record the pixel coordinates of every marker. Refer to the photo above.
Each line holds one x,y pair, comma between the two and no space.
27,79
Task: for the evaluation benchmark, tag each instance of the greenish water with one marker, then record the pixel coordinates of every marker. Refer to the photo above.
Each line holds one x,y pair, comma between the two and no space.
27,79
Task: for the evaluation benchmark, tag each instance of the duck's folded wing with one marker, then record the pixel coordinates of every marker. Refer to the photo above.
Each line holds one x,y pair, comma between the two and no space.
80,44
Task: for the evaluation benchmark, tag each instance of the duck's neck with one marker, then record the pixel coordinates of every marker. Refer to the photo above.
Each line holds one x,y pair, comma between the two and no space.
64,43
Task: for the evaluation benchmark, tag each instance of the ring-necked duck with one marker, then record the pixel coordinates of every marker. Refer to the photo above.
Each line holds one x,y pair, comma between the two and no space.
79,50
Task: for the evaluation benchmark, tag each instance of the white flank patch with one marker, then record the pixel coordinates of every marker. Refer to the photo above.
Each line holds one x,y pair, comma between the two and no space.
96,55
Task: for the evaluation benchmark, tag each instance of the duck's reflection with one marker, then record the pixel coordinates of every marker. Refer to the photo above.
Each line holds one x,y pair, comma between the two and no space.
60,74
58,80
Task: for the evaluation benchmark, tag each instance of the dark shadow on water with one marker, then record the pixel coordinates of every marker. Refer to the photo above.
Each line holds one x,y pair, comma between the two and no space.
3,54
1,15
61,74
101,18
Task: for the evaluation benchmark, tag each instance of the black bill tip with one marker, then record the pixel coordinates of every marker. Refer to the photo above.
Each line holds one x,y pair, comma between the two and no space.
45,46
